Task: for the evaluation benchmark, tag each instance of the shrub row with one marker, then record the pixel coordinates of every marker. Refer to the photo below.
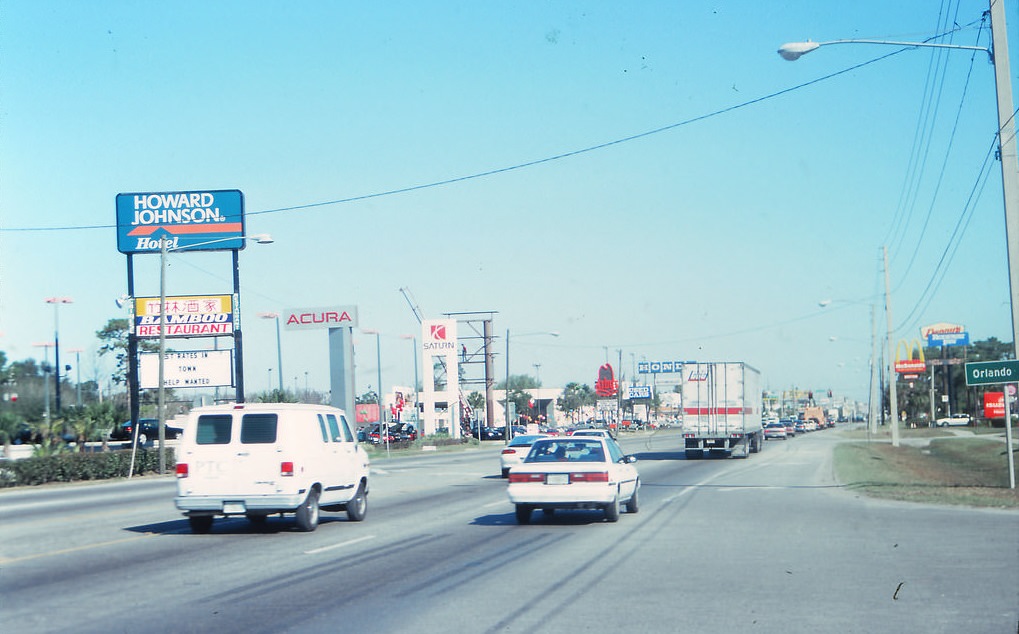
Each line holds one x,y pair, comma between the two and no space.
71,467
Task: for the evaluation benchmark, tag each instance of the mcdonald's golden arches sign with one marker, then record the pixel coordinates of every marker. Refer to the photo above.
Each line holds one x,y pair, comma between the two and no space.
912,362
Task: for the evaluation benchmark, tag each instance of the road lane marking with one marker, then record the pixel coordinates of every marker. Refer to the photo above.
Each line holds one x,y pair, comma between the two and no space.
65,551
340,545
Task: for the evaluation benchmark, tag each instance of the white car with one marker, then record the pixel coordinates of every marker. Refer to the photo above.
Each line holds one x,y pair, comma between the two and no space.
955,420
574,472
516,450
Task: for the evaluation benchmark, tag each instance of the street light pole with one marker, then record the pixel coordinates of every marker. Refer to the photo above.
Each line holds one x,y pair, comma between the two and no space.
279,349
77,365
892,379
506,428
57,301
164,249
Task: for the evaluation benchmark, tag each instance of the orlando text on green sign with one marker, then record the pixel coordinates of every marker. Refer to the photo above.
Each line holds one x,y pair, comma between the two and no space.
991,372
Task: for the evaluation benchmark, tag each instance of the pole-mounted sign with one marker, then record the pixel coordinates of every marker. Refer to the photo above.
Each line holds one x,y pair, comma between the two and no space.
214,218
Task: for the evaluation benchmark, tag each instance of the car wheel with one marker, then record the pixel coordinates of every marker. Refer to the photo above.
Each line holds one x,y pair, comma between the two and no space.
307,512
200,523
523,514
633,505
612,510
505,473
358,505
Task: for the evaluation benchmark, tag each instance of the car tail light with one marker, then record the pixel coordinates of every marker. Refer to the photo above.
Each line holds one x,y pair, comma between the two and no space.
286,468
522,478
182,470
598,476
508,451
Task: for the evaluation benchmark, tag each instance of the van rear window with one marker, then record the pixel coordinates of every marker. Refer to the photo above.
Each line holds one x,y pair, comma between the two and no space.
258,429
214,429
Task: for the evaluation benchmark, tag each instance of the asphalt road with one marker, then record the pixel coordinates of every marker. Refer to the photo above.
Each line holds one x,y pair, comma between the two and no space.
766,544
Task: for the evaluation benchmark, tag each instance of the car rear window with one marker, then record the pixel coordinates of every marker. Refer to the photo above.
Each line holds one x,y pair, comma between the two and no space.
258,429
213,429
567,450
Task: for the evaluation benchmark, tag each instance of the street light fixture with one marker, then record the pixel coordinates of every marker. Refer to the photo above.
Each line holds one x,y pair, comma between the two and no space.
1006,144
57,301
279,350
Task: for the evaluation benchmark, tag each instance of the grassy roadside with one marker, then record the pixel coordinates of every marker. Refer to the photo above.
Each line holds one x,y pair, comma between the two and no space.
968,471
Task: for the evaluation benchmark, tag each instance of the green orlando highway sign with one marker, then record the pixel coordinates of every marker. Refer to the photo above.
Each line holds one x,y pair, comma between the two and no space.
992,372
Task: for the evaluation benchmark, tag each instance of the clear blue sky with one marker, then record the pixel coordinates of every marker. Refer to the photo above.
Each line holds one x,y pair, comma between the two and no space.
716,237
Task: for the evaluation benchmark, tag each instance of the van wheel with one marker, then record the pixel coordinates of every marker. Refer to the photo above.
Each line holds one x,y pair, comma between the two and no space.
307,512
358,505
200,523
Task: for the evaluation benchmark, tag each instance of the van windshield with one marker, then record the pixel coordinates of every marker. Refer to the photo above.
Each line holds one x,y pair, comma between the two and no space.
213,429
258,429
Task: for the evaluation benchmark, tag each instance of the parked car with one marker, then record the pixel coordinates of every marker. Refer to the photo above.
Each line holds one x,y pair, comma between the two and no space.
403,432
516,450
489,433
148,430
374,438
775,430
955,420
574,472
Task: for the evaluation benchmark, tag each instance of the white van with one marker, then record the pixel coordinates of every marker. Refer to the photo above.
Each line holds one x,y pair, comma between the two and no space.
257,459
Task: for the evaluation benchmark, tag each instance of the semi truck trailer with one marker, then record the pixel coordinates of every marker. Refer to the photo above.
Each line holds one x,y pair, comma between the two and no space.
722,406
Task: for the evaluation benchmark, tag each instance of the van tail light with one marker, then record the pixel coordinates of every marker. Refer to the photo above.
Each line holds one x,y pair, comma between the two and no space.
521,478
182,470
286,468
599,476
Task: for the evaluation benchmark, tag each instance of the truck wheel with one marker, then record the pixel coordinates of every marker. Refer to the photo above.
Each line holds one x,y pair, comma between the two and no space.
523,514
200,524
358,505
307,512
612,510
694,454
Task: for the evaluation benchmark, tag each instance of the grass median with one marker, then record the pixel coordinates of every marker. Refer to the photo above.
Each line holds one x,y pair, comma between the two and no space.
968,471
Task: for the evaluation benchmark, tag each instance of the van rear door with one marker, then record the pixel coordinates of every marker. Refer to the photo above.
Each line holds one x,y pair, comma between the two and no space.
236,456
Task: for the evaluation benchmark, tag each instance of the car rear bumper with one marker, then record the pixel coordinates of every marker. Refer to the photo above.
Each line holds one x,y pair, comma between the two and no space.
563,496
237,505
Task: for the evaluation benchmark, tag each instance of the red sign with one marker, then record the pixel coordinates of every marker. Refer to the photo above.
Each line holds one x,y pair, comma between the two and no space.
606,385
910,366
366,413
994,405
